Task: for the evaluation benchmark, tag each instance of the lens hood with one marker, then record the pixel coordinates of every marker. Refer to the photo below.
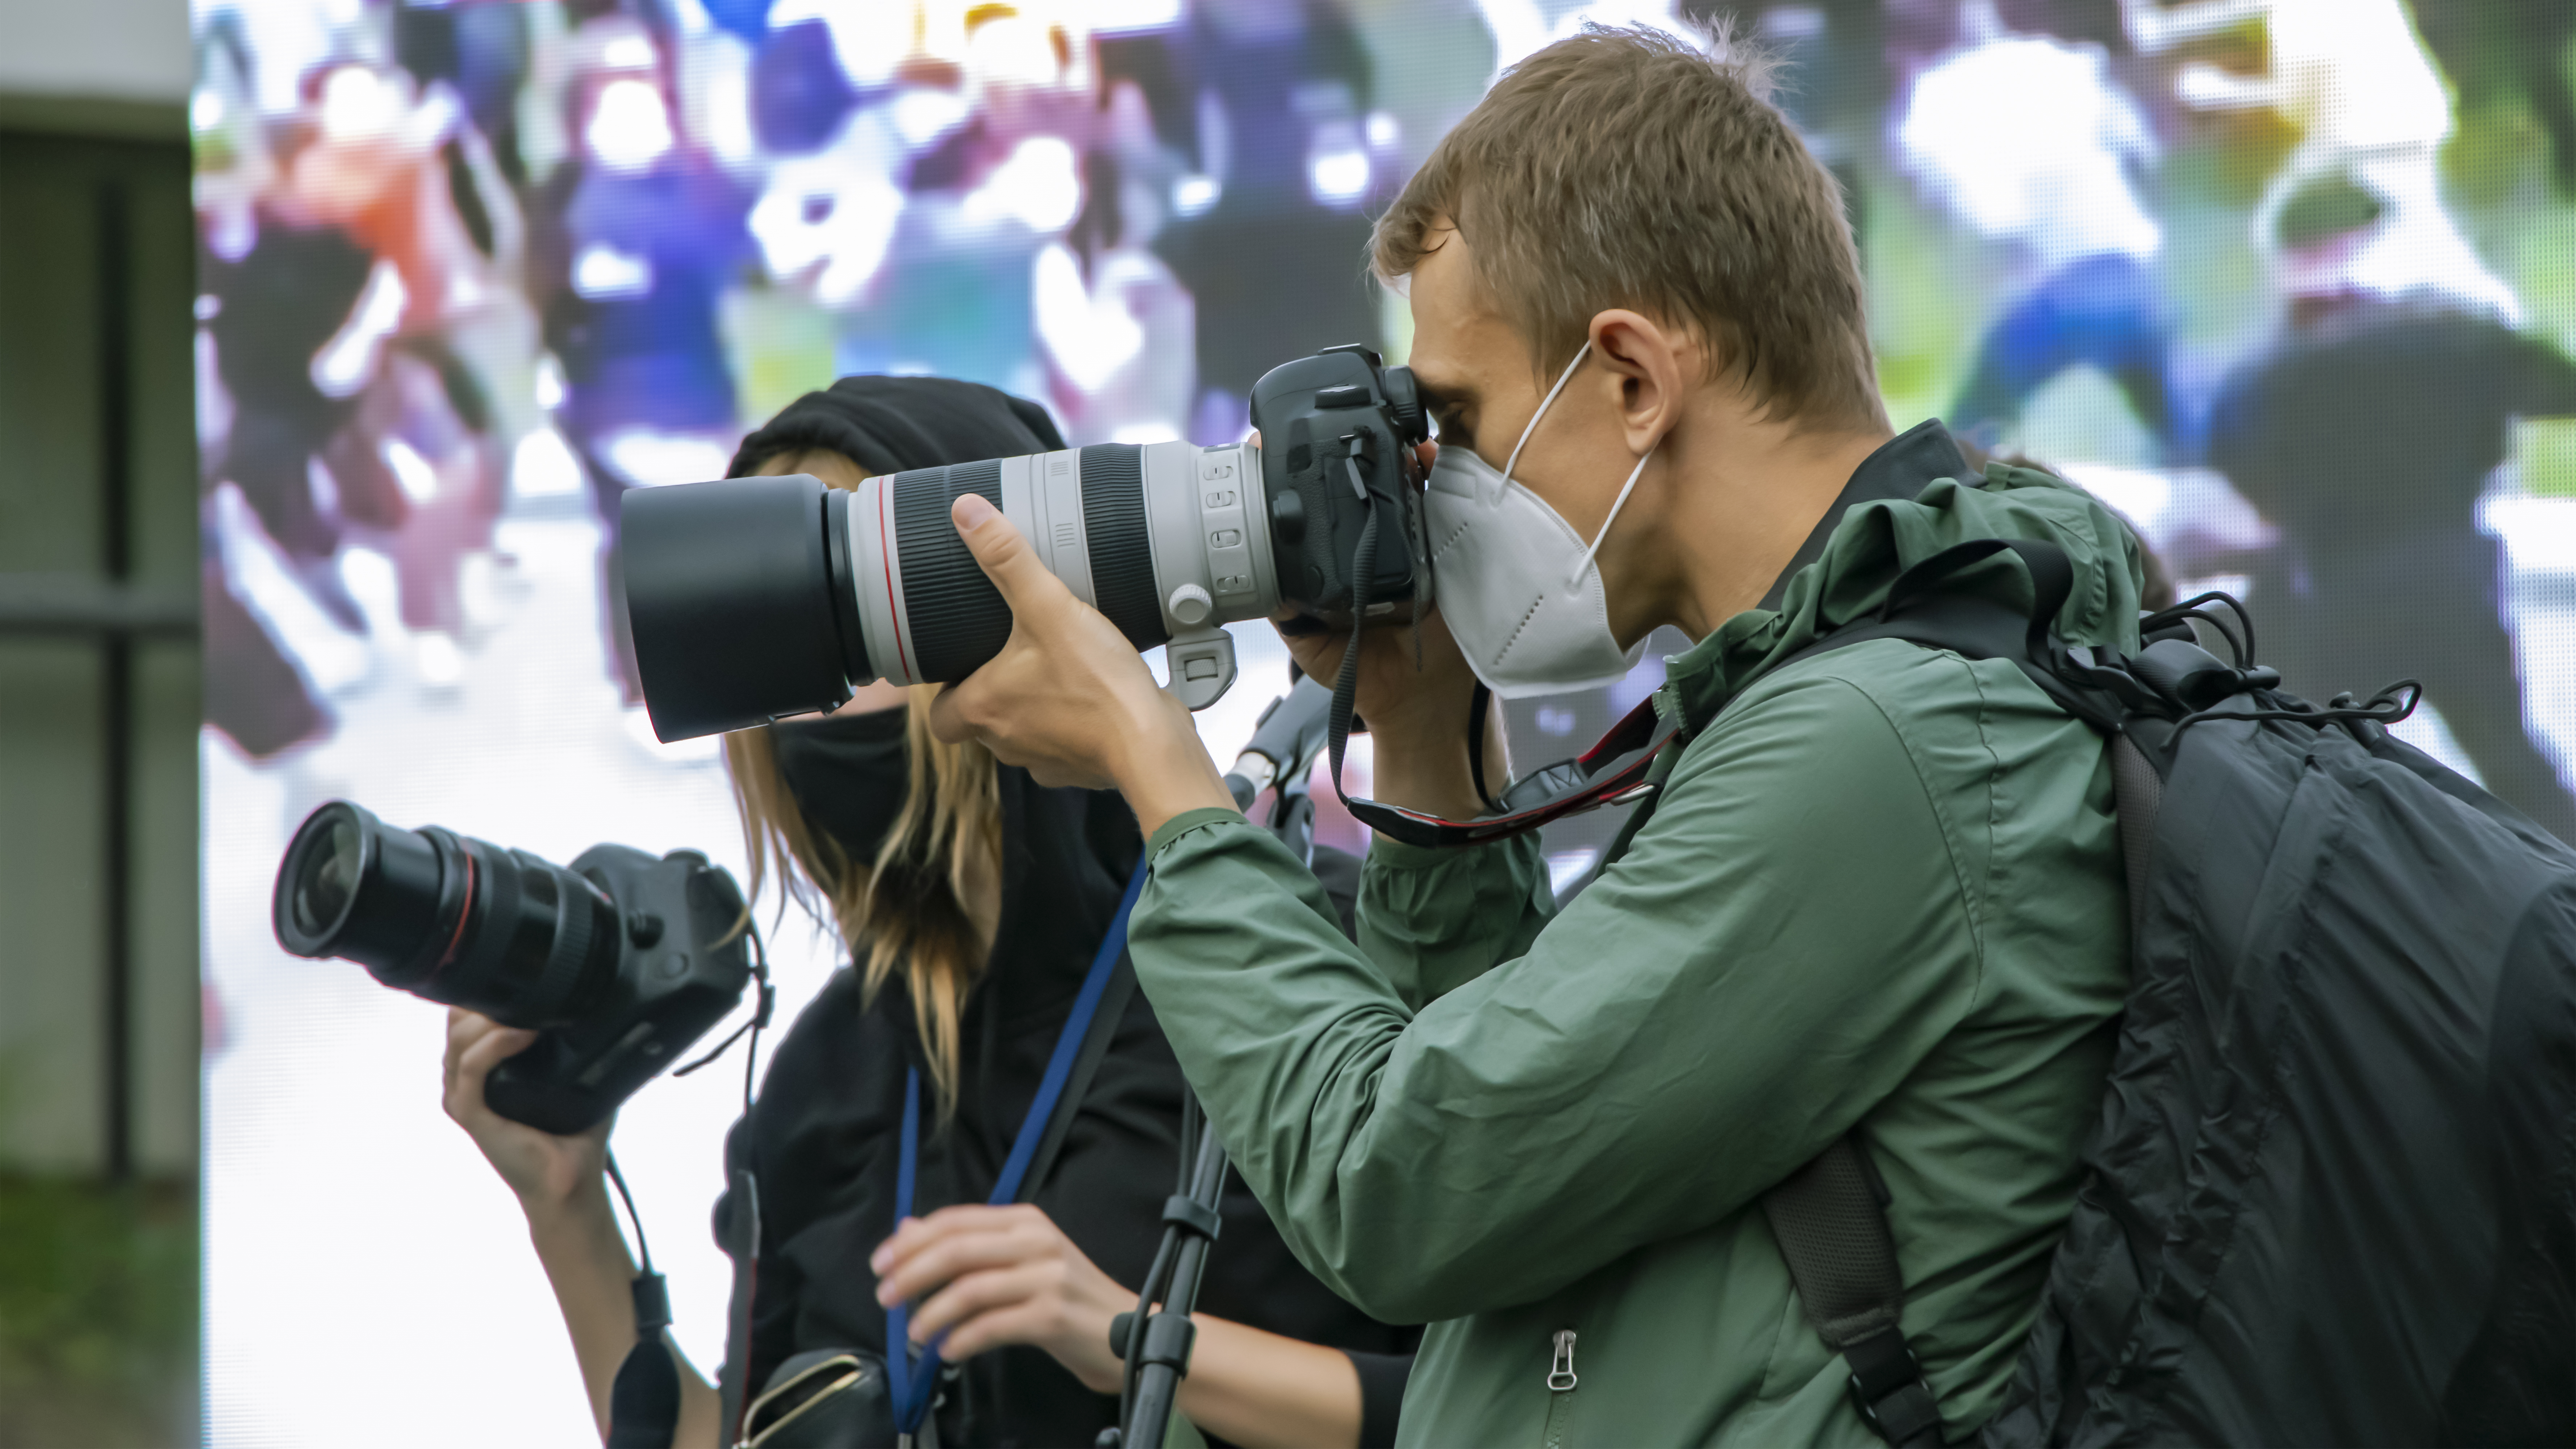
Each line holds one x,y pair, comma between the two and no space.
729,592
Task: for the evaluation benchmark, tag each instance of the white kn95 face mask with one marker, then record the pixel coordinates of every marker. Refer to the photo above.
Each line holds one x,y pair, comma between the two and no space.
1515,582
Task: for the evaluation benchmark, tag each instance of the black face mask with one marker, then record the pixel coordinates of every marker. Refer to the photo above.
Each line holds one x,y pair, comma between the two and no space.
847,774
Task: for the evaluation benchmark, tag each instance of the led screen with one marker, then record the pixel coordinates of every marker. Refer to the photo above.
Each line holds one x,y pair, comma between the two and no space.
2286,281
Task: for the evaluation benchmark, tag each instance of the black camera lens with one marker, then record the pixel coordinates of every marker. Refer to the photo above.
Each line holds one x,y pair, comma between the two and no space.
459,921
353,888
328,878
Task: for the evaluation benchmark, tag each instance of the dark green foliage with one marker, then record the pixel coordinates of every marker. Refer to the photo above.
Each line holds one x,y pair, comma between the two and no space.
98,1313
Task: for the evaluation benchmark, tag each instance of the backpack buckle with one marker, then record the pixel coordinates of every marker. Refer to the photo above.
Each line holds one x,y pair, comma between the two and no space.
1888,1389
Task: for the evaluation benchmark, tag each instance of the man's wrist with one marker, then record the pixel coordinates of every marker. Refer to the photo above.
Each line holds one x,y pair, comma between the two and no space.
1162,767
1426,770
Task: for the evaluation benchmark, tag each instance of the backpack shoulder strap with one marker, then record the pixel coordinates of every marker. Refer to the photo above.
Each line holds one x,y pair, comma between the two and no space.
1830,1220
1920,611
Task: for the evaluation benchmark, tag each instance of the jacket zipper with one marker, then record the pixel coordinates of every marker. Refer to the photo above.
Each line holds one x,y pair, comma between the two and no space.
1560,1389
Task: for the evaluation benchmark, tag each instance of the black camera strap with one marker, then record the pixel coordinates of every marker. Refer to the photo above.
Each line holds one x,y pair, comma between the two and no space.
1612,772
644,1401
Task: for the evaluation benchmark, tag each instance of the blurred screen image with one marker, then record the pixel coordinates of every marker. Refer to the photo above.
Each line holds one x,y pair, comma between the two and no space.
2290,283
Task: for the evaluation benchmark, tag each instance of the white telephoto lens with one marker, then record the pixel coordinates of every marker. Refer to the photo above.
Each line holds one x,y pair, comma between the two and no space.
1169,541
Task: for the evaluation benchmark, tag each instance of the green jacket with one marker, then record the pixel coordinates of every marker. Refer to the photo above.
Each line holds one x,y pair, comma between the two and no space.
1882,888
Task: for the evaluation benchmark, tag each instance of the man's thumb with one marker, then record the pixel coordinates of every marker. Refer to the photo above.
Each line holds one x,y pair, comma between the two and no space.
998,548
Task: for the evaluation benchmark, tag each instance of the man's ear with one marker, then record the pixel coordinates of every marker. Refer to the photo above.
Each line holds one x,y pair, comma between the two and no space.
1654,368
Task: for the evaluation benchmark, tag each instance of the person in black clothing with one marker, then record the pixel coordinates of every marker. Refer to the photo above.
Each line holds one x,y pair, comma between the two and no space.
279,306
973,900
2367,434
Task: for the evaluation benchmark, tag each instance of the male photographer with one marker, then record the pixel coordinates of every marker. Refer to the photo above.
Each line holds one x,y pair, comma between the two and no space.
1879,895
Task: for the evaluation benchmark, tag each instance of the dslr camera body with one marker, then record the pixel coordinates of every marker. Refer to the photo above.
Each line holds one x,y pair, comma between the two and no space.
752,599
618,963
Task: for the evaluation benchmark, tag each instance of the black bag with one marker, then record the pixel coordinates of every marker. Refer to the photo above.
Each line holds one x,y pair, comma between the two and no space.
829,1398
2331,1198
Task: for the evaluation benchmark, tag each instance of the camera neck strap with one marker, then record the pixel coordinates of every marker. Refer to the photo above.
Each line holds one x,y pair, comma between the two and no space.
914,1378
1615,771
644,1398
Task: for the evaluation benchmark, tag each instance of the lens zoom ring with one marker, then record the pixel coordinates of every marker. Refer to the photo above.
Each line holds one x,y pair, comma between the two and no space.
577,928
1122,552
957,617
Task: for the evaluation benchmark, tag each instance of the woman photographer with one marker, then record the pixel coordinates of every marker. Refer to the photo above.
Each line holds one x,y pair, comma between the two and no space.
972,901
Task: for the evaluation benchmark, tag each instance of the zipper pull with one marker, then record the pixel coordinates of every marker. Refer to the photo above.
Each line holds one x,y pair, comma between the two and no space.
1560,1370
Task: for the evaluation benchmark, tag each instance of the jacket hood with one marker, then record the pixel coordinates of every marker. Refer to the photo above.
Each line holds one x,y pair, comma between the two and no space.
1879,539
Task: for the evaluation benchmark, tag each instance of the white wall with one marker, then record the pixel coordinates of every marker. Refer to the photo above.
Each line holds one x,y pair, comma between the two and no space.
125,49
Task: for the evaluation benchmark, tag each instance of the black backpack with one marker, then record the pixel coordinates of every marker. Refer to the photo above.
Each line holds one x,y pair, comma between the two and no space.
2331,1198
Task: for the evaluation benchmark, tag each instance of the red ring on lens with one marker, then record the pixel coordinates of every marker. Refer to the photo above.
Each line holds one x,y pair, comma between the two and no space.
464,913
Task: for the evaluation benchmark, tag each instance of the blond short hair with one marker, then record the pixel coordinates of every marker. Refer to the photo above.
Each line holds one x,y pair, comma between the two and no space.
1628,168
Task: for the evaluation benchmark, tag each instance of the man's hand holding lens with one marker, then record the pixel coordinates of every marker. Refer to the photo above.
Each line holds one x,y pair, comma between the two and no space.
1068,698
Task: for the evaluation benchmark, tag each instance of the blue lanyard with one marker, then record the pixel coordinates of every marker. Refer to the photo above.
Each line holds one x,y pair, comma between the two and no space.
912,1379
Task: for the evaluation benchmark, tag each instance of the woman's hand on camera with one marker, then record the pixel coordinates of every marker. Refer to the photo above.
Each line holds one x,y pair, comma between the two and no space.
1067,697
549,1173
560,1188
989,1276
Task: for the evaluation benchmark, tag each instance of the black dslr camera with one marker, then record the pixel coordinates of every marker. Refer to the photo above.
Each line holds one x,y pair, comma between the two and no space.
756,598
619,963
1338,434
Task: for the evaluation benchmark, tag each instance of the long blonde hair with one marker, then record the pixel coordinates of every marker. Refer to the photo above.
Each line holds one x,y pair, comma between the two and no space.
908,909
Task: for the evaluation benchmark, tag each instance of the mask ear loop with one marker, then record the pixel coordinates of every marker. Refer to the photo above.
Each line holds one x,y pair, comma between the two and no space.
1615,505
1544,404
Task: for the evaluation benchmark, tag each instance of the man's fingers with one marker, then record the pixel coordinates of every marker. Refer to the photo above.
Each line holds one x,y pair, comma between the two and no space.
1312,643
948,722
1004,555
962,713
